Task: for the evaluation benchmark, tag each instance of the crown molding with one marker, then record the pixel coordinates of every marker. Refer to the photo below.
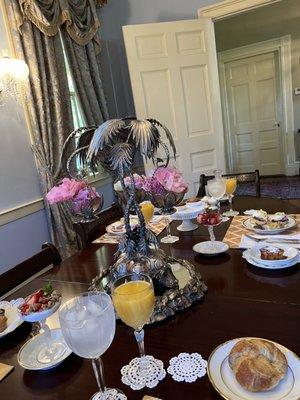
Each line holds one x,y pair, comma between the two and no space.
231,7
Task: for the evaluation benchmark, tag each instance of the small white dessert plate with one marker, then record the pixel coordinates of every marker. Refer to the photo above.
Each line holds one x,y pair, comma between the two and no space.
11,312
118,227
209,248
289,252
28,354
288,264
224,381
249,225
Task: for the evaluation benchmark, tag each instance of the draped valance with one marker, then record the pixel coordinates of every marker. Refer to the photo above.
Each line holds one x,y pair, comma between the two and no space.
79,17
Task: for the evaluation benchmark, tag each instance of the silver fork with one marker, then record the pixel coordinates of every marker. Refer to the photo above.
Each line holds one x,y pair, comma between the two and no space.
270,240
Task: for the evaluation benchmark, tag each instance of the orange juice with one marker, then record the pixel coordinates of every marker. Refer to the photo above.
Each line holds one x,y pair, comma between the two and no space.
230,185
147,209
134,302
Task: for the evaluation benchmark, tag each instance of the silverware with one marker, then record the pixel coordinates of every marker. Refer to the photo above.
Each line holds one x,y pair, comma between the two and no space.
271,240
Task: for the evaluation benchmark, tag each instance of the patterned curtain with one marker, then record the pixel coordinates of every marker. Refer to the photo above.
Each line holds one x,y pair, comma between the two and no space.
50,111
84,62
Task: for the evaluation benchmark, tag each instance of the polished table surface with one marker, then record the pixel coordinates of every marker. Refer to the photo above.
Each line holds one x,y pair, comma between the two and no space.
241,301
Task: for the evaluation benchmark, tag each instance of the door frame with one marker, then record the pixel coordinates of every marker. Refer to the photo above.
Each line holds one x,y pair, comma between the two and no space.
282,46
226,8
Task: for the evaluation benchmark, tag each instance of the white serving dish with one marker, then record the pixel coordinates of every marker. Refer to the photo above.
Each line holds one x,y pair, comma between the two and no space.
28,354
206,249
186,214
40,315
118,227
290,224
290,252
11,312
224,381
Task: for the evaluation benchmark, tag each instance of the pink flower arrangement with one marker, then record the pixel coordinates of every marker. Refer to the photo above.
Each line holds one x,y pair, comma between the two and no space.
171,179
78,192
165,179
139,181
67,190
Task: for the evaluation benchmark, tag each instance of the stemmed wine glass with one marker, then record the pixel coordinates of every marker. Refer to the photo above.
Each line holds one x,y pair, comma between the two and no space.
88,325
147,209
230,189
133,298
168,238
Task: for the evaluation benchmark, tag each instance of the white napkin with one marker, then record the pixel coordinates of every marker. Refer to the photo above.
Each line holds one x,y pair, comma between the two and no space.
247,243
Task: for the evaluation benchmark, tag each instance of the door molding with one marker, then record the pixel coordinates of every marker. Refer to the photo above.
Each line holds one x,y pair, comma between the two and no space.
282,45
227,8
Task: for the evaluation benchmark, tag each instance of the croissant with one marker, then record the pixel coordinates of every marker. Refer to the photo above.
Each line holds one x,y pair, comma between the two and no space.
258,365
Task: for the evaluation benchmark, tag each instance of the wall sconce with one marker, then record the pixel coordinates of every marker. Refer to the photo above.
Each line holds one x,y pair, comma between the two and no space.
13,79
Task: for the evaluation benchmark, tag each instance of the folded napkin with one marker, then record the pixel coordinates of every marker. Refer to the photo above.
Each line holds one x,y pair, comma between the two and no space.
246,242
5,370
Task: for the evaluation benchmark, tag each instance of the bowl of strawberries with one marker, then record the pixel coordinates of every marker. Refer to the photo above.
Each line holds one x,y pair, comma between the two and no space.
210,217
40,305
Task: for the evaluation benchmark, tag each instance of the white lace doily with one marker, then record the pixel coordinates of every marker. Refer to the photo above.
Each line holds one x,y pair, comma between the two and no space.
187,367
110,394
132,376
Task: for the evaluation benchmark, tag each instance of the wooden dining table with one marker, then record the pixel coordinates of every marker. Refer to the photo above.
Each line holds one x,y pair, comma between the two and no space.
241,301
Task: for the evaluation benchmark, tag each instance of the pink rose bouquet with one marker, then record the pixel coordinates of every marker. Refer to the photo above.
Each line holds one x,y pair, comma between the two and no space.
165,179
82,198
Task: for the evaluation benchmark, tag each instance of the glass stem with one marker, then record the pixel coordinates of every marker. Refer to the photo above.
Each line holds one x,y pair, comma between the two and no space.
168,226
230,201
47,335
139,336
99,373
211,233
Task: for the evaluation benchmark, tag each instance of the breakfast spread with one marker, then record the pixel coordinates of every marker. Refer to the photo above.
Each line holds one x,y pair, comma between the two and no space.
3,320
258,365
41,300
272,253
261,220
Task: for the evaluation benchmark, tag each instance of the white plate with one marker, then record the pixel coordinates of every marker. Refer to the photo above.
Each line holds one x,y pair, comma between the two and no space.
223,379
250,260
11,312
207,249
290,252
118,227
248,225
27,356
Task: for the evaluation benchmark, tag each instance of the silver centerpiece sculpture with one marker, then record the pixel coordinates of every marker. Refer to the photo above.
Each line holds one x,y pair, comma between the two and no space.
115,145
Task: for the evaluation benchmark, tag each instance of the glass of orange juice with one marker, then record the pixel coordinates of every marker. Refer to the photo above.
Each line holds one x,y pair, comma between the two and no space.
147,209
231,184
133,298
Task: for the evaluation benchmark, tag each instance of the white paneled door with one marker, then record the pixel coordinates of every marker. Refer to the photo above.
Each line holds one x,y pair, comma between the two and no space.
174,78
255,109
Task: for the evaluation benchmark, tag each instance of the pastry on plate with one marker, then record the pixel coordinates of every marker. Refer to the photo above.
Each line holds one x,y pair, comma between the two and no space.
193,199
259,218
272,253
3,320
258,365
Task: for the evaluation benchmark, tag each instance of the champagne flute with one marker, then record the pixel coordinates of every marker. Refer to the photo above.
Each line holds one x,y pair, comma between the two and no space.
133,298
147,209
231,184
88,325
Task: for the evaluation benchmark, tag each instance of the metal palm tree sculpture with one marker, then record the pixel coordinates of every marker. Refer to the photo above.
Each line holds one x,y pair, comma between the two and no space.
115,145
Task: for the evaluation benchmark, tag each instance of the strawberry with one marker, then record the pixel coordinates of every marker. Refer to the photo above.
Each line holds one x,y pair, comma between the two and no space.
35,297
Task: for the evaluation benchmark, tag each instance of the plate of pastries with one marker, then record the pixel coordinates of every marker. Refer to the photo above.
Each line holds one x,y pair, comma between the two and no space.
264,223
253,368
273,255
9,316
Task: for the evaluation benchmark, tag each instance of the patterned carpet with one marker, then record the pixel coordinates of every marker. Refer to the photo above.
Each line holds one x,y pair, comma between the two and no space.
281,188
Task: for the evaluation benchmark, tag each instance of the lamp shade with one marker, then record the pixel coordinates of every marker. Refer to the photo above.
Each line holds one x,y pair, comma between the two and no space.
13,69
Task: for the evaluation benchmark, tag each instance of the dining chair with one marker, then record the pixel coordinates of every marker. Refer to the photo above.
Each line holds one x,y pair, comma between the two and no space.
86,232
243,180
13,278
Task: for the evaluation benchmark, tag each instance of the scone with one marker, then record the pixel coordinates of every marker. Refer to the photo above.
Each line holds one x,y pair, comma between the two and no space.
272,253
258,365
3,320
